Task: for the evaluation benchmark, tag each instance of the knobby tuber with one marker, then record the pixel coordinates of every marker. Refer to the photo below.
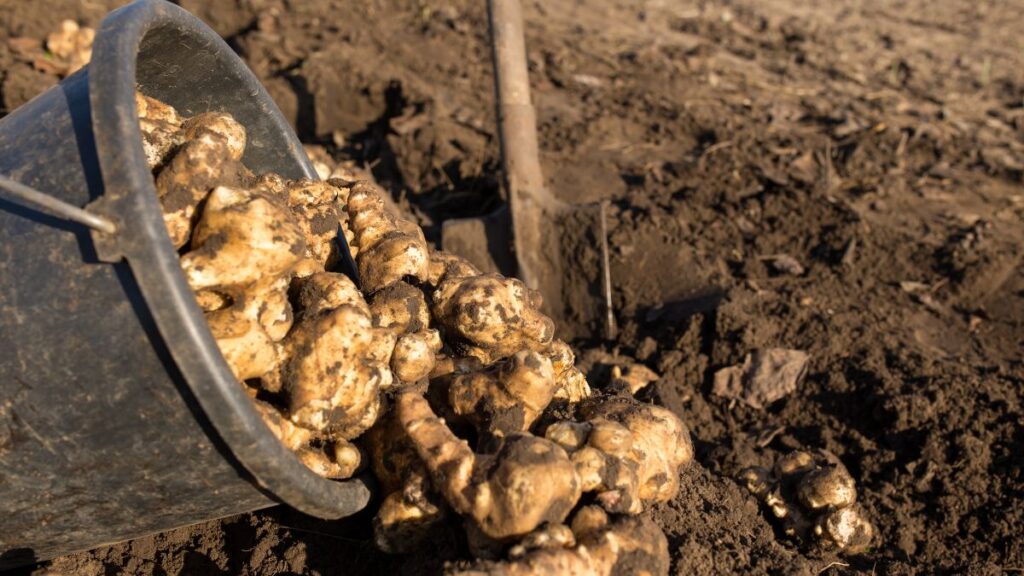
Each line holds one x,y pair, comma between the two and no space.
336,361
504,398
626,451
389,248
488,316
207,158
814,497
71,45
410,508
529,481
570,384
403,310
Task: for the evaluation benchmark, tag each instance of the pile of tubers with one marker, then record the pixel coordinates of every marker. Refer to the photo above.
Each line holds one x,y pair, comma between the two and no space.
445,382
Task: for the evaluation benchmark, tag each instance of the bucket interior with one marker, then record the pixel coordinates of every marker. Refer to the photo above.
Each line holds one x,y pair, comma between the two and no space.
183,70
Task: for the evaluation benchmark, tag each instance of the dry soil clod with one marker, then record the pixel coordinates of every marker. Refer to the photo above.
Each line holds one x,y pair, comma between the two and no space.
765,376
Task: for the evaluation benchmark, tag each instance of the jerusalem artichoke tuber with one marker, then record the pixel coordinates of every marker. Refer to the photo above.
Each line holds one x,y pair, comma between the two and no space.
814,497
529,481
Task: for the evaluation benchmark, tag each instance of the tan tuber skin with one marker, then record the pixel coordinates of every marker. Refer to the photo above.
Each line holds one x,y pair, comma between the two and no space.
528,482
444,266
213,145
410,508
502,399
242,238
161,129
246,245
259,250
487,316
389,248
632,378
660,446
336,360
341,461
600,450
625,451
415,355
316,207
247,331
402,309
814,498
570,384
491,317
244,248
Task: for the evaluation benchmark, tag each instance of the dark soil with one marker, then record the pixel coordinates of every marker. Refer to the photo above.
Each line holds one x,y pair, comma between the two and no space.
879,144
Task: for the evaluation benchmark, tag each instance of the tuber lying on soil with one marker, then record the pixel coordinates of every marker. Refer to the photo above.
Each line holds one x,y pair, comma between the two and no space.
626,451
71,45
814,498
410,508
626,545
529,481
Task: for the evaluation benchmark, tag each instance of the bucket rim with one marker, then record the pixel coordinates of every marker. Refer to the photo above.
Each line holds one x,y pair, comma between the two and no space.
130,199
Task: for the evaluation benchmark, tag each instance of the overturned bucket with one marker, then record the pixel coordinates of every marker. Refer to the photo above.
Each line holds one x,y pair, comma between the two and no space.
118,415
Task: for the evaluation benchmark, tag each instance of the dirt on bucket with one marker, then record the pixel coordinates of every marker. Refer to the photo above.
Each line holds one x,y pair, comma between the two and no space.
843,179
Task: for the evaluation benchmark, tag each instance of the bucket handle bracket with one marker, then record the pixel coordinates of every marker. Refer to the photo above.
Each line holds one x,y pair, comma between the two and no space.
108,246
102,228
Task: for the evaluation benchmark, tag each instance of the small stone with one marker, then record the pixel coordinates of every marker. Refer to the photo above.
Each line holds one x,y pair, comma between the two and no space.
784,264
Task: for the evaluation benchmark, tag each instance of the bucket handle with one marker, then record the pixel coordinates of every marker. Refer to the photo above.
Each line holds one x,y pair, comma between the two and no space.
32,198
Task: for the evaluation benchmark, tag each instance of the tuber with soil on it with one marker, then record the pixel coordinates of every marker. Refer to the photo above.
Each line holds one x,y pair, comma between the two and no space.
501,399
529,481
813,497
625,451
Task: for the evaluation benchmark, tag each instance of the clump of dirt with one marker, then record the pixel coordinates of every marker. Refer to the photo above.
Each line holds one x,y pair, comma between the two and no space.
880,147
